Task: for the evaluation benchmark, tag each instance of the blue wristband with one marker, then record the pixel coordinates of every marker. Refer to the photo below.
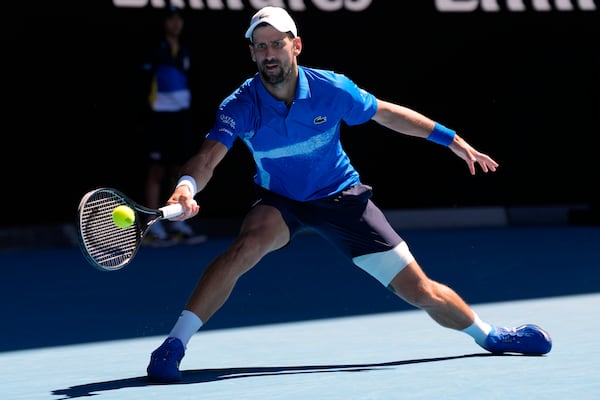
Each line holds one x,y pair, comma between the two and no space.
441,135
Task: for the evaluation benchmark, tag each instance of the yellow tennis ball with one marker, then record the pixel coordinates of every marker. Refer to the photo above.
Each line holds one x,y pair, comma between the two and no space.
123,216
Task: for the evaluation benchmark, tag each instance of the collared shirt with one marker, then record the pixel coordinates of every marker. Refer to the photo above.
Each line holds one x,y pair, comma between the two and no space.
297,150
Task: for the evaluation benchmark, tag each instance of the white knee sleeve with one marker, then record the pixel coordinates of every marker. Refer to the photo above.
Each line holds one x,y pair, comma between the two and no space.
384,266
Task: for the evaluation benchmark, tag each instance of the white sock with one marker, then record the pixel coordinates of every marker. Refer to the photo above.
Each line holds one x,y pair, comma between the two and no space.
187,324
478,330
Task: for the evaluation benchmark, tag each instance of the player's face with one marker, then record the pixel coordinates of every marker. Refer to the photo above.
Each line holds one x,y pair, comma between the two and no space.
275,54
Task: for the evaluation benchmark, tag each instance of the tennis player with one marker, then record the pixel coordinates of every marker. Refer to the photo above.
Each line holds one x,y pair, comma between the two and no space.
289,116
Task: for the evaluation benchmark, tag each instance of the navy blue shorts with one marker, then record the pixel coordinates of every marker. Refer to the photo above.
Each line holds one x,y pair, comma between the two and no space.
352,223
349,219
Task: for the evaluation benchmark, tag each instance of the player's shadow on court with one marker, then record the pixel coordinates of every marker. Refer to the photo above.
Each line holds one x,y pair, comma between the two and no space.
212,375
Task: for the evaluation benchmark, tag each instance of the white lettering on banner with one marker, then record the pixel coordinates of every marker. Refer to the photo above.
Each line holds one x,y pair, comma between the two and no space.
215,4
513,5
294,5
361,5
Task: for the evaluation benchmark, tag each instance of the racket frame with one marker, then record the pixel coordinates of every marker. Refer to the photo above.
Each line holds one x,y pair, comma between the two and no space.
106,246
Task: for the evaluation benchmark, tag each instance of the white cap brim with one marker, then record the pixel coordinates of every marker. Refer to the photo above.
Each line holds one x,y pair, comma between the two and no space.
277,17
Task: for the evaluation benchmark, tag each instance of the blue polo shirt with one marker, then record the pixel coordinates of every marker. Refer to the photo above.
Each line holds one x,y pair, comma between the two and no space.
297,150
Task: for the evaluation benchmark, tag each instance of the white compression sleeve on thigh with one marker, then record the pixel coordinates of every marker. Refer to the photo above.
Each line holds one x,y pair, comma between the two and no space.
187,324
384,266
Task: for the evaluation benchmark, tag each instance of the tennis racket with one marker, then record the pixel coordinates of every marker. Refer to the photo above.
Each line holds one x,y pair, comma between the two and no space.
105,245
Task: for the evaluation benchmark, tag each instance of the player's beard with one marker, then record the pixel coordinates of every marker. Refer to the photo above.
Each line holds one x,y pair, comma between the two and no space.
277,76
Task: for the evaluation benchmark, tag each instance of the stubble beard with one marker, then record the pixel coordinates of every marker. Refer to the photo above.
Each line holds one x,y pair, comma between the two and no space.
275,78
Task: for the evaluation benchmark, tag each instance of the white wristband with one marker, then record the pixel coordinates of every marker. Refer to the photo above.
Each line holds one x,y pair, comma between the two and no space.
190,182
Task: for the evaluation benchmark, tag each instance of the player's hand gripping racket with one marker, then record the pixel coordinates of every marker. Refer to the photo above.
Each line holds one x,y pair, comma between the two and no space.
105,245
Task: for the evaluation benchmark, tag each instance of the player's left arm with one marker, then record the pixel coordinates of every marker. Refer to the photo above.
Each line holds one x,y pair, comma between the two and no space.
410,122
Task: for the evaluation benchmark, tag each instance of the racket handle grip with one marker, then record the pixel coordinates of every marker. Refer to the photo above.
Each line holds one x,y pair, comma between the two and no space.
171,210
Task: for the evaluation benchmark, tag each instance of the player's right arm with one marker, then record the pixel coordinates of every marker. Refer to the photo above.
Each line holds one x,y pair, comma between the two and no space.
235,115
201,168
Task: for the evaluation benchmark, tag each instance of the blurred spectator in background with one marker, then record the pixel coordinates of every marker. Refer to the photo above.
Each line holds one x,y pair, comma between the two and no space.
169,139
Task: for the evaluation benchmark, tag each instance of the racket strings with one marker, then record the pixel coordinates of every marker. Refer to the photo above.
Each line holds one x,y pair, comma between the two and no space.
108,245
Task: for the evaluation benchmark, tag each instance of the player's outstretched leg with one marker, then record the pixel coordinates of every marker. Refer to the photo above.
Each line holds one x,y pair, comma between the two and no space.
448,309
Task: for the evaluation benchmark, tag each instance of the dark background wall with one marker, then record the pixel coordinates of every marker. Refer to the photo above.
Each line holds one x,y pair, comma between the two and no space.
521,86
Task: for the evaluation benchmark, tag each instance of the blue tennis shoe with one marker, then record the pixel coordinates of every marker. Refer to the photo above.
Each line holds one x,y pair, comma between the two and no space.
164,361
526,339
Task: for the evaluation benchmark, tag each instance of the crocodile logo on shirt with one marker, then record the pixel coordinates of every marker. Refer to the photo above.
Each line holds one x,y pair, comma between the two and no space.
319,120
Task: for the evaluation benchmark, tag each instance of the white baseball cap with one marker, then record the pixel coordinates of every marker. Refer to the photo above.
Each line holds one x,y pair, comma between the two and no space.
277,17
